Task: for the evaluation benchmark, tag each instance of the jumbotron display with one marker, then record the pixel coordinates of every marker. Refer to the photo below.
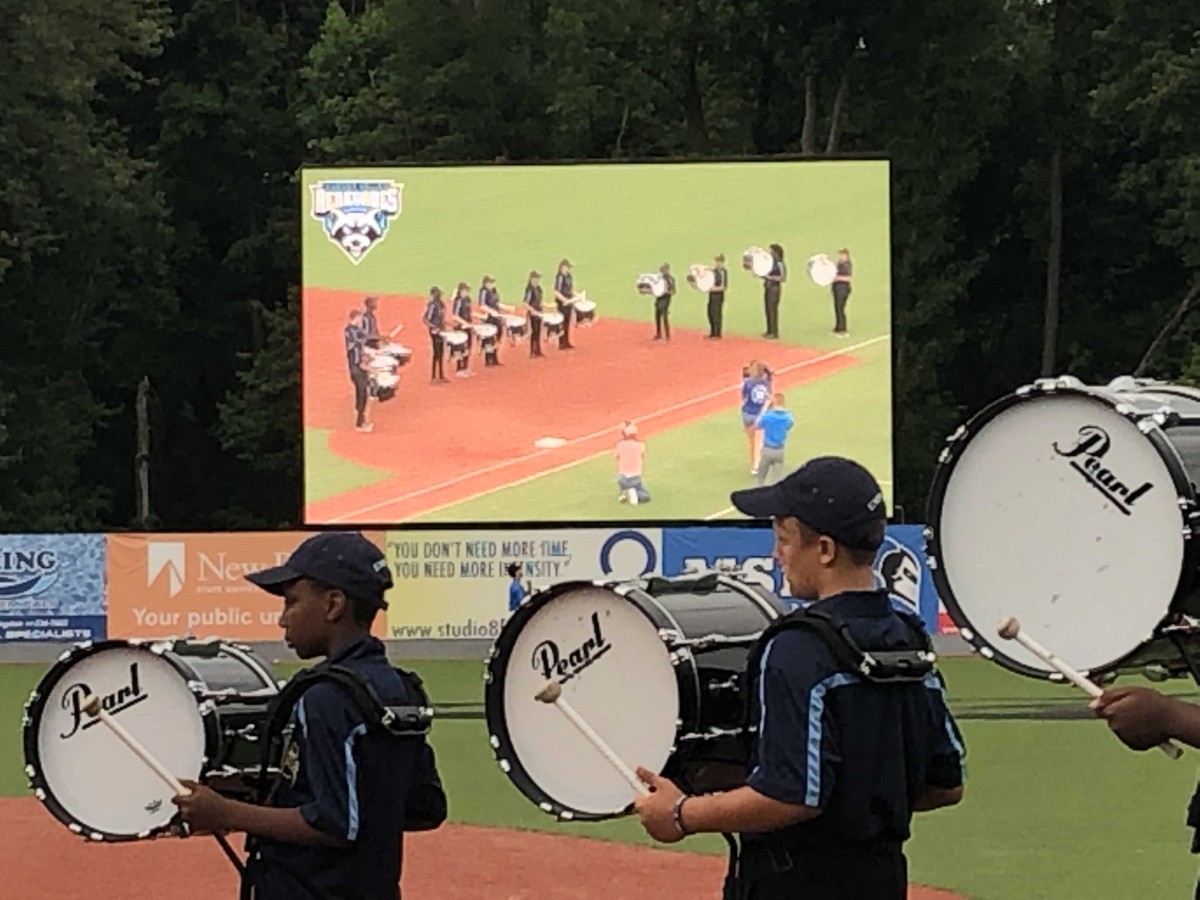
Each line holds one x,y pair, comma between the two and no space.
600,342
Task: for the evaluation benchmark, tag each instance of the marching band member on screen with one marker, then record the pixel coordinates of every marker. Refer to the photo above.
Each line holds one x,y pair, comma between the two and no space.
564,291
371,321
435,320
461,316
716,297
349,784
491,311
841,291
662,305
356,359
533,303
846,749
631,459
773,291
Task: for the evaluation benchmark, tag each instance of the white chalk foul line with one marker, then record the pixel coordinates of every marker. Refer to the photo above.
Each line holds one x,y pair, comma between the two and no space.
517,460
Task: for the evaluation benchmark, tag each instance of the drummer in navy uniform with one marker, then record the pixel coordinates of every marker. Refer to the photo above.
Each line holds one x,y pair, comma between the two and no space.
840,762
356,360
564,290
773,290
662,305
533,303
841,291
492,311
716,297
435,321
334,822
461,317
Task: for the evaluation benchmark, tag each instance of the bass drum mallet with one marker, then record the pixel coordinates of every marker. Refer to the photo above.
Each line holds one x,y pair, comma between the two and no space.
1010,630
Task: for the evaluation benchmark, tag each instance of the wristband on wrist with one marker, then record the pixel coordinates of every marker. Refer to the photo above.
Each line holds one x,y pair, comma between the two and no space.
677,815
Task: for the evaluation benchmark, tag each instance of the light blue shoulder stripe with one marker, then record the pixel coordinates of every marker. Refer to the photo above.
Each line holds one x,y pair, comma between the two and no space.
352,783
816,725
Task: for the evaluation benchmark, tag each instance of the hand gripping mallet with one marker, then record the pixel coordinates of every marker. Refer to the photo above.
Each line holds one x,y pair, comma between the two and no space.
1010,630
552,693
91,706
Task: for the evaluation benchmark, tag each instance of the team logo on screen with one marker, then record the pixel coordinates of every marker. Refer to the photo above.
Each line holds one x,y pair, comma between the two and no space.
356,214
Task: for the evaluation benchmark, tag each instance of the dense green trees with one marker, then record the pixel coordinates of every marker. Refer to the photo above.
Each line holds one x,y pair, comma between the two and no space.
1046,202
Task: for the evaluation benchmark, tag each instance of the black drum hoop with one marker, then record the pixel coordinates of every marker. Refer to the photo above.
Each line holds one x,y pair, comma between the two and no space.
956,445
35,706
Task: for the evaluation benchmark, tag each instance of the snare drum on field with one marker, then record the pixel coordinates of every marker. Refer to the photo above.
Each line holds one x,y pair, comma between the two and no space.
485,332
585,312
553,322
821,269
758,261
514,327
457,342
655,667
382,363
1073,508
702,278
198,706
385,385
400,353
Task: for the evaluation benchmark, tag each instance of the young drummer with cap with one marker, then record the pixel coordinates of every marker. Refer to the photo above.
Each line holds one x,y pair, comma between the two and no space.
333,824
841,759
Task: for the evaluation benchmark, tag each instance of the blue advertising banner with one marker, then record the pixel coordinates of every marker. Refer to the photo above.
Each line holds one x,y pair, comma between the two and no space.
748,553
52,587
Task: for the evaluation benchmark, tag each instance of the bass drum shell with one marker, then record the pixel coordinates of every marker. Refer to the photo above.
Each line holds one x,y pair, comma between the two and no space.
624,664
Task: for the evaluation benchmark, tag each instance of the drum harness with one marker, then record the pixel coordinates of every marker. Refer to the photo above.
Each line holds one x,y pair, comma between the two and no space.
406,721
908,665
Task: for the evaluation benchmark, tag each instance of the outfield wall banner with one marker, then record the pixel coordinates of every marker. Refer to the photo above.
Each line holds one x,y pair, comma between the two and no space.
172,585
51,587
453,584
748,552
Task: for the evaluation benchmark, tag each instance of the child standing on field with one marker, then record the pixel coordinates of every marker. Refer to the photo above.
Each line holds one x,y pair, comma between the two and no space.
631,457
775,422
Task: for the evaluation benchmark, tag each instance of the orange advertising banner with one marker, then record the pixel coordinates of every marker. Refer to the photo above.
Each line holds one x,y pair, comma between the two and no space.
194,585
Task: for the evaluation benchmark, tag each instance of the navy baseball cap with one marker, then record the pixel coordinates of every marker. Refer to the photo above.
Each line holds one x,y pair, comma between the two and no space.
832,495
341,559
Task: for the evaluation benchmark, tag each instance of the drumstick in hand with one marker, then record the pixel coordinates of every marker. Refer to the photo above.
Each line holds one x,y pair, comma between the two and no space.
1010,630
91,706
552,693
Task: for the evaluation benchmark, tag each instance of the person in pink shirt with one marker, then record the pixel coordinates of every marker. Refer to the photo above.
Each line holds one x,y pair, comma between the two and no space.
631,457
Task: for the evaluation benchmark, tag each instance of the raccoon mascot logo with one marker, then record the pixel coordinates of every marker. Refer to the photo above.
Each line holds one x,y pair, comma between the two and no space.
356,214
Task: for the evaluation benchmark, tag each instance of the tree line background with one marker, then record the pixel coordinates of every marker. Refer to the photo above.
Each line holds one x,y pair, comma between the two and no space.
1046,196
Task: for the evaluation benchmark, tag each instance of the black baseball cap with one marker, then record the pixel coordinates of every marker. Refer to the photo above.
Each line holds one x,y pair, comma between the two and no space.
832,495
341,559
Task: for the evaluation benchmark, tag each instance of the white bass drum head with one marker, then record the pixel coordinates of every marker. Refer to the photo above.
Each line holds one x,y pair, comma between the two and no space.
1061,512
615,672
95,780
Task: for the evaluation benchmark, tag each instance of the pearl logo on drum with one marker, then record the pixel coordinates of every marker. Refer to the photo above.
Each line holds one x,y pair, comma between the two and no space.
1091,444
549,660
124,697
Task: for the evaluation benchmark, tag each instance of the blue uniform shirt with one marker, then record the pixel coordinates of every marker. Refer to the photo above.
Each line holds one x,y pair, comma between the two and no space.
564,283
755,393
355,337
780,269
370,325
347,782
435,315
828,738
533,295
775,425
490,299
462,308
516,594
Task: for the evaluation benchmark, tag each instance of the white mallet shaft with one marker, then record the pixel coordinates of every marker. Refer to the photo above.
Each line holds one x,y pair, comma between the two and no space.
552,693
91,705
1010,629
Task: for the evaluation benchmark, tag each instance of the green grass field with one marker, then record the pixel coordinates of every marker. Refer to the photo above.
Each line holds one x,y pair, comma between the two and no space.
614,223
1054,808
